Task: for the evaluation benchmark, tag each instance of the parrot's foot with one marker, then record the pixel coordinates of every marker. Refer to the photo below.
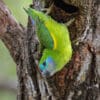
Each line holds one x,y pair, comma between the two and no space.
48,10
70,22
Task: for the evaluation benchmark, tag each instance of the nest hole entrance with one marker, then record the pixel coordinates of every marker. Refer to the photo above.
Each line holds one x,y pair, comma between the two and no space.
66,7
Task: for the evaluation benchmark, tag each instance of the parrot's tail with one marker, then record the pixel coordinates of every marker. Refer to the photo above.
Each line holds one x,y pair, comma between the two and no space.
34,14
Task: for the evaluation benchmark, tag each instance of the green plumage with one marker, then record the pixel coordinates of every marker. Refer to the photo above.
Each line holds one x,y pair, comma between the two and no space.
44,35
55,38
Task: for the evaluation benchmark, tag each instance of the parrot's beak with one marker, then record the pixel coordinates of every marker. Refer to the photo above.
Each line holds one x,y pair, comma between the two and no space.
46,74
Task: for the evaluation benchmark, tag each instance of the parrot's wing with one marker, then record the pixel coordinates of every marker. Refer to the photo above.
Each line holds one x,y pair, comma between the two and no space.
44,35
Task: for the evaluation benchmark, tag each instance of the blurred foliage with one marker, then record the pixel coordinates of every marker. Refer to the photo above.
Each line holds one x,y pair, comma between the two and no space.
6,95
16,7
7,71
7,65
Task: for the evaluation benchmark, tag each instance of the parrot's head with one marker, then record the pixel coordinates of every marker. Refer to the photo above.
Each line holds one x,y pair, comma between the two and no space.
47,67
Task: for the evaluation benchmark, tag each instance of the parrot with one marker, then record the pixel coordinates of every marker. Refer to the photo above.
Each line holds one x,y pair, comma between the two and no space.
55,39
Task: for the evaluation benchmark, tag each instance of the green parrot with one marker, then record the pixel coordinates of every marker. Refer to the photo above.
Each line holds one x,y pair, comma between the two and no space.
54,37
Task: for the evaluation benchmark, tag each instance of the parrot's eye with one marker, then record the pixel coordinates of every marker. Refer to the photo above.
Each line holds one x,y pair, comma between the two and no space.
44,63
42,66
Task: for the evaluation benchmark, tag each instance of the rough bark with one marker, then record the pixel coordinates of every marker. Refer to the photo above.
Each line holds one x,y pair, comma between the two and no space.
80,78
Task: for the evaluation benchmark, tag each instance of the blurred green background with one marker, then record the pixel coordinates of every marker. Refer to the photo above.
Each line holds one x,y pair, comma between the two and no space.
16,7
7,72
8,76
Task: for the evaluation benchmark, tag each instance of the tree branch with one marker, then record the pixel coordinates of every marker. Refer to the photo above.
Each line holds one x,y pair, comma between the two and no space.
15,38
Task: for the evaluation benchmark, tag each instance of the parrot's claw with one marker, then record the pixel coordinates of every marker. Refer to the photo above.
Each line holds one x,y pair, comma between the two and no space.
70,22
48,10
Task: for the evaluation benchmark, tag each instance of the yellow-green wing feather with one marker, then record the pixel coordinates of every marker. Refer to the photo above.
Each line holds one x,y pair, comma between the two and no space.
44,35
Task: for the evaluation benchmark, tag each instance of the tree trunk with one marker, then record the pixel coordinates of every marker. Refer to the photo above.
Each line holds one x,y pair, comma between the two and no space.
80,78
